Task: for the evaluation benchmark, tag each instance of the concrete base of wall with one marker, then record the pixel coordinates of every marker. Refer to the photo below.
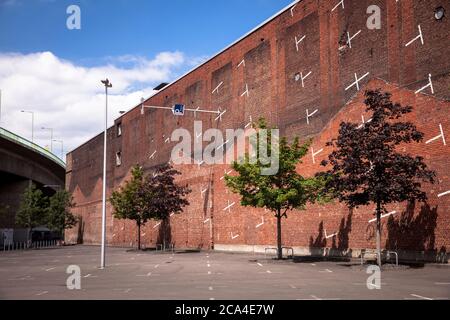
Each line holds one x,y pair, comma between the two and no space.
403,255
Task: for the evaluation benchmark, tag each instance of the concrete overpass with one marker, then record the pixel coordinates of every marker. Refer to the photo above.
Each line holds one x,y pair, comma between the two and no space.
21,163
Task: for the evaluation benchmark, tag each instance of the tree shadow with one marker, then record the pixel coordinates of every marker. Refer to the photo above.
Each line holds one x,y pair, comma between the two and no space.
415,234
339,250
80,233
165,233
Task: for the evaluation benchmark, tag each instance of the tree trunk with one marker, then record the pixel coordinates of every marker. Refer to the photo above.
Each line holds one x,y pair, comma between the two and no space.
139,236
279,249
379,234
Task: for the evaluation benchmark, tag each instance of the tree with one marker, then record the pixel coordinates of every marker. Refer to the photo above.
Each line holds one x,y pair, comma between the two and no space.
366,165
128,202
155,196
59,217
281,192
162,195
32,210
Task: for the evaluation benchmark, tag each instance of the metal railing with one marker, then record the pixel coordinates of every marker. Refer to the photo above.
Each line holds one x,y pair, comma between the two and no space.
14,246
30,145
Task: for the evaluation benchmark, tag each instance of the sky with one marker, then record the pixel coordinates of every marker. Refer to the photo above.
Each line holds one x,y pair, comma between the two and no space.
55,72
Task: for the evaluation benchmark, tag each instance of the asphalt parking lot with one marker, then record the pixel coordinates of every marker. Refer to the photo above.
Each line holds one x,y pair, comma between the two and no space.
41,274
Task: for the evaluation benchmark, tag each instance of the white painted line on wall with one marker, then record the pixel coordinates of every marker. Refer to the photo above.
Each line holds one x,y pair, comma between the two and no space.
420,36
229,206
364,122
226,173
331,235
314,154
219,117
246,91
292,10
156,225
216,89
350,38
308,115
383,216
303,78
261,224
250,122
357,80
340,3
429,85
443,194
298,41
439,136
152,155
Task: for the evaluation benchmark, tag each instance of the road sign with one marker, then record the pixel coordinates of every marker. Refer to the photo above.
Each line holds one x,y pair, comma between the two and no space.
178,110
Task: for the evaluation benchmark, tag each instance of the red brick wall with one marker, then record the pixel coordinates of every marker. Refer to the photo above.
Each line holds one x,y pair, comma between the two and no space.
271,62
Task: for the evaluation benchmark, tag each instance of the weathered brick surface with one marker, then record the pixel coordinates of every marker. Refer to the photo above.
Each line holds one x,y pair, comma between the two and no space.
266,62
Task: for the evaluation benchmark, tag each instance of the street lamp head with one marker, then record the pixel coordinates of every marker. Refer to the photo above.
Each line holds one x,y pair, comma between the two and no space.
107,83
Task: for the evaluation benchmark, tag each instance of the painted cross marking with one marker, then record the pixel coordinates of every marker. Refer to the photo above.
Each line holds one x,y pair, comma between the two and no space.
357,80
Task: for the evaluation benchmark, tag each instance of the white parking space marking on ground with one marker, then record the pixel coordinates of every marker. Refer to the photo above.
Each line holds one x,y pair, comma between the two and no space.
442,283
41,293
157,266
268,271
313,264
327,270
128,290
210,288
209,272
292,286
421,297
50,269
144,275
259,264
314,297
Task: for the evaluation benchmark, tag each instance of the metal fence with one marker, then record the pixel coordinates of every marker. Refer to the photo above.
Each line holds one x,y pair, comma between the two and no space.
14,246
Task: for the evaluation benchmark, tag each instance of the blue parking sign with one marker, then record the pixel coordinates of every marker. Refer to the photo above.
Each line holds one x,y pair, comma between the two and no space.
178,110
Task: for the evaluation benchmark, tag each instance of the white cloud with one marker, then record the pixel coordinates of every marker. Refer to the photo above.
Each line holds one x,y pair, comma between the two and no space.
70,98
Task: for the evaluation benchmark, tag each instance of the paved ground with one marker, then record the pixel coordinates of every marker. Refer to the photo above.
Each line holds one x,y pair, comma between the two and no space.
41,274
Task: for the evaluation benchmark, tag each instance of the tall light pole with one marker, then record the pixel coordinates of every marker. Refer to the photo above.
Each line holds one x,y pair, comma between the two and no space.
107,85
32,123
51,137
62,147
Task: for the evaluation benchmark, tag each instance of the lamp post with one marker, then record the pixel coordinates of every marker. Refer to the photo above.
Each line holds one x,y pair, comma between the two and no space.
62,147
107,85
51,137
32,123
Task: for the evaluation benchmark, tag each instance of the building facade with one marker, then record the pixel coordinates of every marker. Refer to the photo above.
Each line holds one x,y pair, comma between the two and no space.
305,70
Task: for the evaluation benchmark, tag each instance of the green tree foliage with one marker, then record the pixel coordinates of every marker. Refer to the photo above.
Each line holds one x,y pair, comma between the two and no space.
59,217
128,201
281,192
366,165
155,196
32,210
